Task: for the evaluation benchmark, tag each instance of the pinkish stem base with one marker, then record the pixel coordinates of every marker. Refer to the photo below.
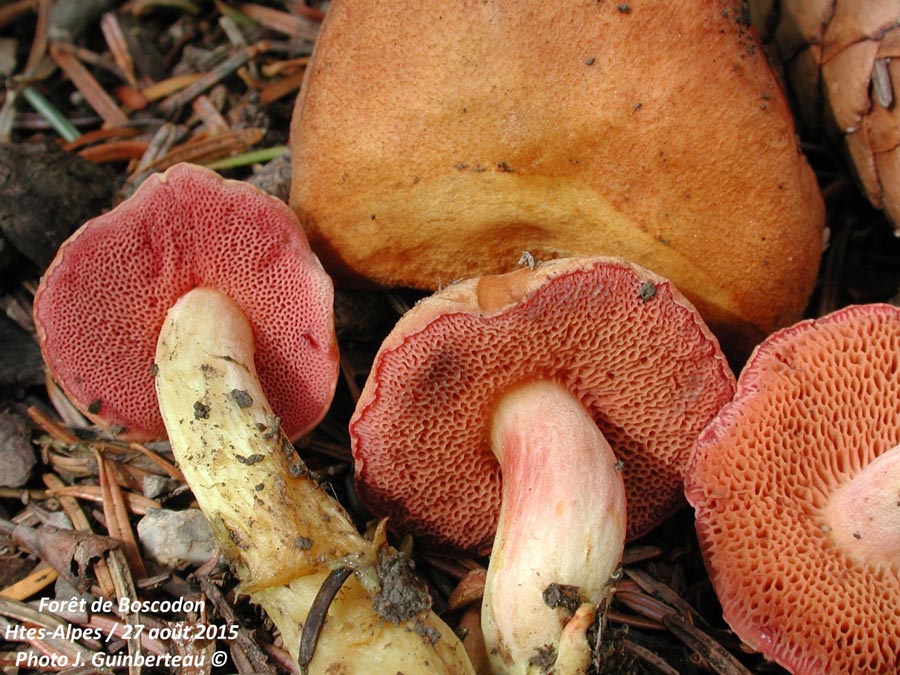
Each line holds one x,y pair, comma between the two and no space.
863,514
562,522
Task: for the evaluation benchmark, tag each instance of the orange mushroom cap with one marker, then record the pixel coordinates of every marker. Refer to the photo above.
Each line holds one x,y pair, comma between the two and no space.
816,404
458,134
102,300
621,339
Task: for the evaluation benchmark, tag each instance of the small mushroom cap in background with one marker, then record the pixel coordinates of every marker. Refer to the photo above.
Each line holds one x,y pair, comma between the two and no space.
619,338
842,62
437,141
815,405
103,299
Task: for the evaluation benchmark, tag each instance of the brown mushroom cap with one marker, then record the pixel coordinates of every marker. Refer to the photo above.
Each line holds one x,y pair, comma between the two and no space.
460,134
815,405
102,301
621,339
842,63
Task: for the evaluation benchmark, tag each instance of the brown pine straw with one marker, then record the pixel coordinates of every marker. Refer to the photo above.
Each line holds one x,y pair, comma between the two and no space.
469,589
281,88
160,143
137,504
286,67
292,25
209,148
212,119
647,656
79,521
118,46
56,431
40,40
650,585
126,474
114,151
31,616
125,588
35,582
65,409
130,97
94,94
213,77
115,511
169,86
645,605
313,13
170,469
80,465
349,375
113,627
99,136
9,13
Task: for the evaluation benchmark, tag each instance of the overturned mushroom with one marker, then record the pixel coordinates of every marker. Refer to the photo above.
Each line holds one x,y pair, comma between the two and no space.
210,285
541,376
796,487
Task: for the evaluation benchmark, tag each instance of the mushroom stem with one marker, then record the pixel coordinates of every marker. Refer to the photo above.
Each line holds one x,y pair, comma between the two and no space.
863,514
561,530
282,533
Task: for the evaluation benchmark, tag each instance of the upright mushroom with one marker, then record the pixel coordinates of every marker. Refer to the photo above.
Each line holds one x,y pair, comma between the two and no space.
459,134
539,377
210,285
796,487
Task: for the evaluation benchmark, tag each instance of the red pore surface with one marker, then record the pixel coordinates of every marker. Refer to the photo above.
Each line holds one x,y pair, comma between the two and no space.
621,339
102,301
816,403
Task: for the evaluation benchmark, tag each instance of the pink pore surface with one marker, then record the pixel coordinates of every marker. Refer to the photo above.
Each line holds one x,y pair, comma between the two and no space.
102,301
648,371
816,403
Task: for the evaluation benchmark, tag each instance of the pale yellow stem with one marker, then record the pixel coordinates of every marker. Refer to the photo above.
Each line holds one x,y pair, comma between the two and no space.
282,533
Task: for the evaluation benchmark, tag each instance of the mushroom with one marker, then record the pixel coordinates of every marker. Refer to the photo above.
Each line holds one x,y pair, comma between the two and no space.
103,299
210,284
459,134
841,60
541,376
796,487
